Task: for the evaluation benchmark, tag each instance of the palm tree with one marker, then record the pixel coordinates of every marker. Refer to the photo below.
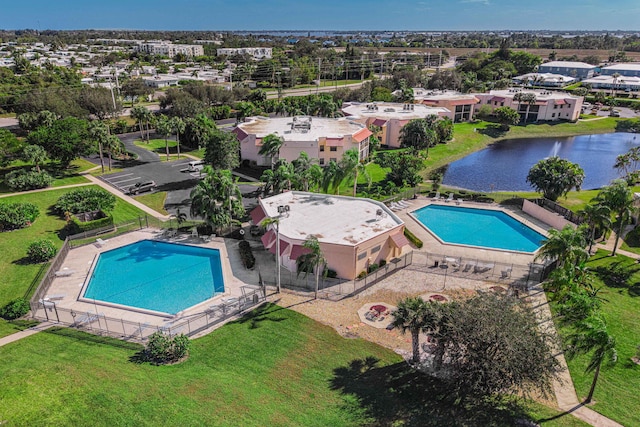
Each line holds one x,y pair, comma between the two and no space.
217,198
36,154
591,336
619,198
417,135
566,245
139,114
113,145
99,133
530,99
412,315
352,168
271,145
178,126
329,176
598,216
164,127
271,222
312,261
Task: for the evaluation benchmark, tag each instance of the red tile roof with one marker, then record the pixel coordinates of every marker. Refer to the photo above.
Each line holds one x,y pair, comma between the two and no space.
268,239
399,240
363,134
297,251
283,246
257,215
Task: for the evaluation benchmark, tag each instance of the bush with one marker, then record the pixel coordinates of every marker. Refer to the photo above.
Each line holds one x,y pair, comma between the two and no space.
85,200
23,180
76,226
383,262
41,250
362,275
17,215
163,349
331,274
412,238
16,308
204,229
246,254
372,267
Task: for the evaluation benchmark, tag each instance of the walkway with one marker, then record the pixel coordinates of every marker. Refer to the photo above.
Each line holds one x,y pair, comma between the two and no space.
39,190
563,386
23,334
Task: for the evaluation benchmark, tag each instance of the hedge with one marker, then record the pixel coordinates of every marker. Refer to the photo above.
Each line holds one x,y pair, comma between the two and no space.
17,215
412,238
246,254
85,200
76,226
23,180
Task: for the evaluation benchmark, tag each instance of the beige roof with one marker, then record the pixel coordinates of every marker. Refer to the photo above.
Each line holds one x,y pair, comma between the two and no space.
388,110
285,127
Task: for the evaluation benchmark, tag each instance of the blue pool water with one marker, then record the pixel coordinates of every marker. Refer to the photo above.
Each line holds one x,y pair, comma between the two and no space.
158,276
478,227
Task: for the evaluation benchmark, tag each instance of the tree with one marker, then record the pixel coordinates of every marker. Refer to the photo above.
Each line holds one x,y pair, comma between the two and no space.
98,133
598,216
113,146
618,197
34,154
142,116
530,99
313,261
627,164
65,140
270,147
134,89
165,129
412,315
444,130
566,245
417,135
222,150
591,336
274,222
217,198
178,126
555,177
352,168
9,147
507,117
491,344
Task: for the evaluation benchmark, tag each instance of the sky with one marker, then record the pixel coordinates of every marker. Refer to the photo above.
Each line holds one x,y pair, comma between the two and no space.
428,15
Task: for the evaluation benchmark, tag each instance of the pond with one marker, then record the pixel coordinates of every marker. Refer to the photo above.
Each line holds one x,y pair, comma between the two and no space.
504,166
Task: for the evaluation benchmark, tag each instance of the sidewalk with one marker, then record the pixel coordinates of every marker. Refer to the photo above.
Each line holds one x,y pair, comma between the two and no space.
39,190
23,334
563,386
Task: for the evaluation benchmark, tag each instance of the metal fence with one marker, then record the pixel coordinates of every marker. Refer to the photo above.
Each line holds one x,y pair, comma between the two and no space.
337,289
561,210
521,276
46,281
97,323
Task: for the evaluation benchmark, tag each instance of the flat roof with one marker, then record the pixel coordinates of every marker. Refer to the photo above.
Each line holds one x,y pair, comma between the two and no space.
426,94
332,219
282,126
390,110
632,66
567,64
541,95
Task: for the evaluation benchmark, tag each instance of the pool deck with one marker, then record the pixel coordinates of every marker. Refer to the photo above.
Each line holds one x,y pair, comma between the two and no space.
435,246
66,289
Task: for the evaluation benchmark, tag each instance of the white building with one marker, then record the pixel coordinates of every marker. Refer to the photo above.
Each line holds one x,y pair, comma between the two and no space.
628,84
577,70
543,79
321,138
626,69
169,49
256,52
161,80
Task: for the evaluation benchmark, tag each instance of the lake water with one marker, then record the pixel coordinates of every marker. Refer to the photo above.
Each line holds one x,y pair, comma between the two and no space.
505,165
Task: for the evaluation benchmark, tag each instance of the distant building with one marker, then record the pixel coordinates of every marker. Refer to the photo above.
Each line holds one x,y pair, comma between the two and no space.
256,52
161,80
462,105
353,232
321,138
543,79
169,49
627,69
391,117
548,105
627,84
577,70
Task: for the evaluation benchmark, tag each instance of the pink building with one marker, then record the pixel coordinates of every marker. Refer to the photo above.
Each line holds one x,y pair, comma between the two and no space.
353,232
461,105
321,138
391,117
546,106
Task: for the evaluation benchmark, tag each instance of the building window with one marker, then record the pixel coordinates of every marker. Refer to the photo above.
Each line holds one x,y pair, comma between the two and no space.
555,107
322,148
333,148
502,104
333,159
553,115
362,256
375,249
321,162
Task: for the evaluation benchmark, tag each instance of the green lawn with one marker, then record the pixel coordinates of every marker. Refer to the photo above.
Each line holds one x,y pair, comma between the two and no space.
618,388
154,200
11,327
61,177
158,146
274,367
16,273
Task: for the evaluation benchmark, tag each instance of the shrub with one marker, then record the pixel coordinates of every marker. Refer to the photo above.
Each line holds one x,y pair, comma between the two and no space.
163,349
76,226
17,215
204,229
85,200
331,274
246,254
412,238
383,262
14,309
362,275
372,267
41,250
23,180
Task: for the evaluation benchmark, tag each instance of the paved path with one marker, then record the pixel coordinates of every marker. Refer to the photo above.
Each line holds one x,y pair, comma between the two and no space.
23,334
563,386
46,189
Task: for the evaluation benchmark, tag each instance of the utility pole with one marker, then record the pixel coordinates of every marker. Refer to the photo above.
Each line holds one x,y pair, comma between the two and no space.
318,85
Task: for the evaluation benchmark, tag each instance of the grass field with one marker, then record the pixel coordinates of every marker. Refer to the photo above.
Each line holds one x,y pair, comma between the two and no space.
154,200
618,388
61,177
272,367
11,327
17,274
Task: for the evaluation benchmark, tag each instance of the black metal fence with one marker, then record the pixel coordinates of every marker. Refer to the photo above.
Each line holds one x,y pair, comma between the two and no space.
95,322
561,210
46,281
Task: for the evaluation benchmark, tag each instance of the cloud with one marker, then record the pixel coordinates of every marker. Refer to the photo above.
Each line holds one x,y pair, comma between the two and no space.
484,2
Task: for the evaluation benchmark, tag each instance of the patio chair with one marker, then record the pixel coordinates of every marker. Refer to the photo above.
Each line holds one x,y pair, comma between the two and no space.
55,297
395,207
403,204
436,197
506,273
450,198
458,201
65,272
100,243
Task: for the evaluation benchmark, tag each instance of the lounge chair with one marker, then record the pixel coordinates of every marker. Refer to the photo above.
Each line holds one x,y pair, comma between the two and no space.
395,207
506,273
65,272
100,243
436,197
55,297
85,319
458,201
404,204
450,198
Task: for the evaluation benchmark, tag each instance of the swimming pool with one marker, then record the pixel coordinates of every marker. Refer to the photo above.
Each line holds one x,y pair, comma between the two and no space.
478,227
156,276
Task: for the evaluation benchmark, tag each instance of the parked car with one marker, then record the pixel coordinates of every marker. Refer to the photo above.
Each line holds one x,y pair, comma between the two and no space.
195,166
141,187
614,113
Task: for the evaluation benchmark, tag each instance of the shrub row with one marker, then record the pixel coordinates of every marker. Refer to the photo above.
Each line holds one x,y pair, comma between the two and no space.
76,226
85,200
412,238
23,180
246,254
17,215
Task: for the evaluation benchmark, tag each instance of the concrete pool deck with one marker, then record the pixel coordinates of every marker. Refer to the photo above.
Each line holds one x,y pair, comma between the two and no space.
435,246
65,289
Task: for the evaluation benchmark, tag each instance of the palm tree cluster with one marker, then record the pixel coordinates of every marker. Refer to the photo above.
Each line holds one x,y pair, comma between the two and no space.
217,198
421,134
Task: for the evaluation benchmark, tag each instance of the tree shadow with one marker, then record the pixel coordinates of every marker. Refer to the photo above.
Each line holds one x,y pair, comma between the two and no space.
618,275
262,313
397,394
92,339
493,130
179,185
